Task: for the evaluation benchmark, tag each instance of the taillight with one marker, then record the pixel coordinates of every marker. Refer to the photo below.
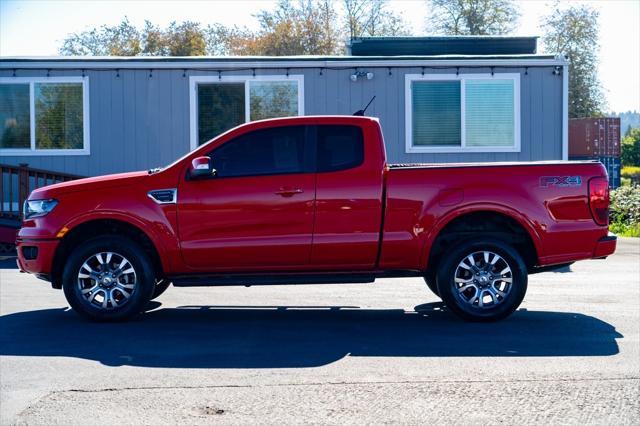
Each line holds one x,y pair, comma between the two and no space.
599,200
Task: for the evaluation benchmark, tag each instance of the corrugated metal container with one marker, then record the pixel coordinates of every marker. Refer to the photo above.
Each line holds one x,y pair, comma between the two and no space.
612,164
594,137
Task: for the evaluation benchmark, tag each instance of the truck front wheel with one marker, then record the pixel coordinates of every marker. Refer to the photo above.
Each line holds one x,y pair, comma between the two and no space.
482,279
108,278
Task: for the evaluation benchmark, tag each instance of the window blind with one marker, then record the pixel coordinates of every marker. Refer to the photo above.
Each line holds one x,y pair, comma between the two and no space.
489,112
14,116
271,99
58,112
220,108
436,113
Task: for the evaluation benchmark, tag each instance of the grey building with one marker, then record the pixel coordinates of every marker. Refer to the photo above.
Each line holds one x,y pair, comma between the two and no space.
438,99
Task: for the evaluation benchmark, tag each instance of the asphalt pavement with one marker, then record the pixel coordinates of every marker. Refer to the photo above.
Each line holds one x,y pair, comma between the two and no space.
387,352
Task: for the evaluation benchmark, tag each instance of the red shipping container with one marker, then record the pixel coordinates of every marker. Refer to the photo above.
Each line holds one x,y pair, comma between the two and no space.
594,137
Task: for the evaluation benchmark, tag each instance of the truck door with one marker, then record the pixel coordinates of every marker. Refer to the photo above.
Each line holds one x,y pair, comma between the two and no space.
349,184
256,213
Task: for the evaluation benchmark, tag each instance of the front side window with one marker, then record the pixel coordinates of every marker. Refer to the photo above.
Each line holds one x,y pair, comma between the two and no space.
222,104
273,151
463,113
43,116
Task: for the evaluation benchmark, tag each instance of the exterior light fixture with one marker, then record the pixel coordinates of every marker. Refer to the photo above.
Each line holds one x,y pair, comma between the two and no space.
361,74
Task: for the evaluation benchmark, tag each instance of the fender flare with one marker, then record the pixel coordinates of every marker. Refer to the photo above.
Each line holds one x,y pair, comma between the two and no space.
134,221
459,211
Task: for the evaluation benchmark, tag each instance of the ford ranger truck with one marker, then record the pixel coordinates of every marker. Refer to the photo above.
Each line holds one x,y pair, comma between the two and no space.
312,200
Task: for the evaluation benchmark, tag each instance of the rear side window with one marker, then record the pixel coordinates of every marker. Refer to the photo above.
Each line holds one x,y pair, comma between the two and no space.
339,148
278,150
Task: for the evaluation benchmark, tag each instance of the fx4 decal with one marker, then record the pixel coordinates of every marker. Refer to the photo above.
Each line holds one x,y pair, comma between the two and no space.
560,181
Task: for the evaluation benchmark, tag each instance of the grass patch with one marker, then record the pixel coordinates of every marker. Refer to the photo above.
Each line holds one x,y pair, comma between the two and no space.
624,230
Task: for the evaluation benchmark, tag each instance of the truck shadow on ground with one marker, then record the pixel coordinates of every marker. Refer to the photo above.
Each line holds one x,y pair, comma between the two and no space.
289,336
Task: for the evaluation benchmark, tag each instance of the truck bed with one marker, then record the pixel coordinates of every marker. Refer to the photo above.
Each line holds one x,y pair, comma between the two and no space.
492,164
548,198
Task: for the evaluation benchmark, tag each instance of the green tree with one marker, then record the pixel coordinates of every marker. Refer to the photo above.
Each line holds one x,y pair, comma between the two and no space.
630,155
225,41
573,32
372,18
185,39
304,27
472,17
293,27
153,40
118,40
124,39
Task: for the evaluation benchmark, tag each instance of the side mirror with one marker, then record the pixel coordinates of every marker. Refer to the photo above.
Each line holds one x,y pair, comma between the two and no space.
201,167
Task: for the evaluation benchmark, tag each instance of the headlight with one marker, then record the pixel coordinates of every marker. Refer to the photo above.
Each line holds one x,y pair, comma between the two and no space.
38,208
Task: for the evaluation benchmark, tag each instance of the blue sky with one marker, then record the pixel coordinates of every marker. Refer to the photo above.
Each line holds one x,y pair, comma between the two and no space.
37,27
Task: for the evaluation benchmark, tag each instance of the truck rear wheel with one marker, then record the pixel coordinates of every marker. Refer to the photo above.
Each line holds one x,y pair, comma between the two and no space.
108,278
482,280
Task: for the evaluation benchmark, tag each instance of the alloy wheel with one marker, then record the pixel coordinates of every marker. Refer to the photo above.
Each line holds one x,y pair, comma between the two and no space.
107,280
483,279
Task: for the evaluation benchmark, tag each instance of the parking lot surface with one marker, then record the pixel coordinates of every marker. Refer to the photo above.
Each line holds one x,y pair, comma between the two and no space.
374,353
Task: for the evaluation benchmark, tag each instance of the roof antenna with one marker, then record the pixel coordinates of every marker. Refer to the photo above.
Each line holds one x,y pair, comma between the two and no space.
362,111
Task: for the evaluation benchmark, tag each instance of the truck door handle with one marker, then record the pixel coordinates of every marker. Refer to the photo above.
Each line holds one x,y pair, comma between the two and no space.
288,192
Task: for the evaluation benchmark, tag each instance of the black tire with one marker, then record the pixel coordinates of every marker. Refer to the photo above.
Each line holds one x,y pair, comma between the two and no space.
161,286
466,304
430,280
122,308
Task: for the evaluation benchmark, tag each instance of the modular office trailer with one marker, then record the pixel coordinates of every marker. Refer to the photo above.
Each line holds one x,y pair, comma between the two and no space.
92,116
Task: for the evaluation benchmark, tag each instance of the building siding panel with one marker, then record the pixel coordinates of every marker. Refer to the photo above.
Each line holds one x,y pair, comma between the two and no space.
129,103
140,119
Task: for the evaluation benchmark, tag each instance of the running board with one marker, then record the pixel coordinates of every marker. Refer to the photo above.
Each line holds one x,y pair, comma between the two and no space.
249,280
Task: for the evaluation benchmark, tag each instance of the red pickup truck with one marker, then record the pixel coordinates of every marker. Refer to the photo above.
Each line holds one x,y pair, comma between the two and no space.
313,200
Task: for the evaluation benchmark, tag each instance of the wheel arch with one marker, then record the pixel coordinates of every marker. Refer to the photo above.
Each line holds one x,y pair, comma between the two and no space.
83,230
497,221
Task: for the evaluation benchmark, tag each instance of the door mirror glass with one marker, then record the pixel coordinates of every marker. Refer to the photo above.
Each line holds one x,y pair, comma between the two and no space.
201,167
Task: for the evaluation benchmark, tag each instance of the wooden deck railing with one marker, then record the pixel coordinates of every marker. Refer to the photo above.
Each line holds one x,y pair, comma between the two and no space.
16,183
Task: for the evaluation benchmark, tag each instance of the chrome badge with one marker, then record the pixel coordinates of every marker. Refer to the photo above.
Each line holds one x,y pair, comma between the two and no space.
560,181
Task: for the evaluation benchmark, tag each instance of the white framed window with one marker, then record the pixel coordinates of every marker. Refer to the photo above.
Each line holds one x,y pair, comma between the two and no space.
44,116
462,113
218,104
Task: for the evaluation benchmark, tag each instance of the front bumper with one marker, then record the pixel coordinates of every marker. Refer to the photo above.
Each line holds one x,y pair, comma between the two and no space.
38,261
605,246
